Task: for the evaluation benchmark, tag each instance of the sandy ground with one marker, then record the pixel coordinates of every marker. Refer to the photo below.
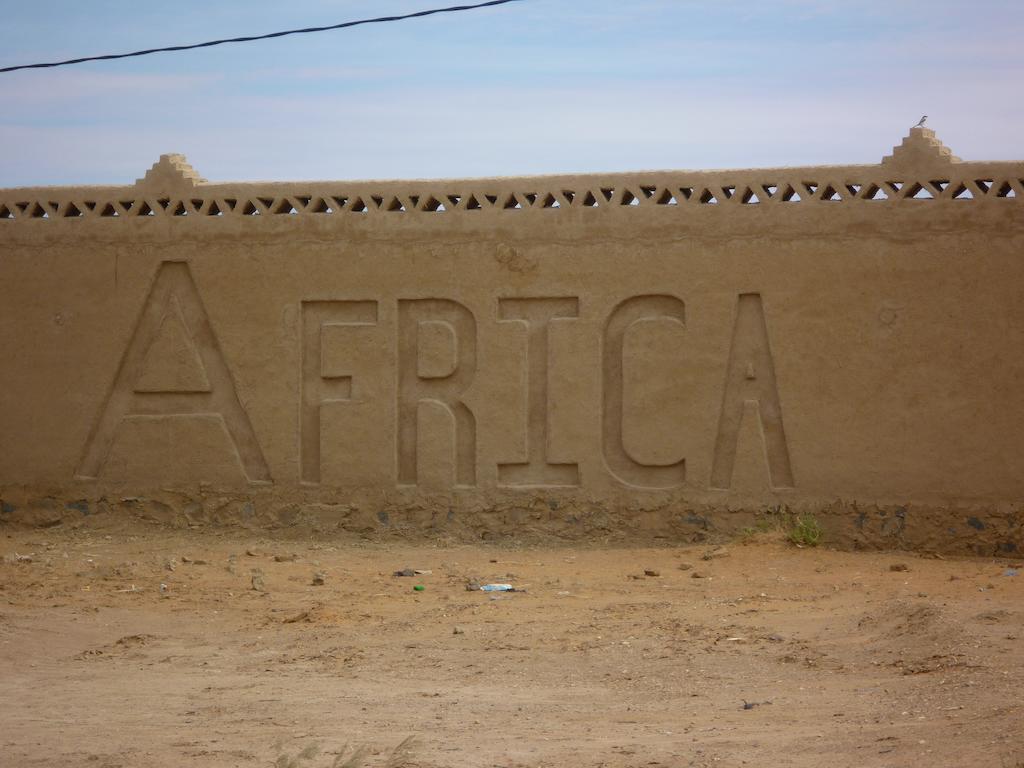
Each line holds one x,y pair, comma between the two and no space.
841,660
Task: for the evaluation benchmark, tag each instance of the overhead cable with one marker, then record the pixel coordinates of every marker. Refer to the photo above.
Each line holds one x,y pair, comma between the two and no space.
252,38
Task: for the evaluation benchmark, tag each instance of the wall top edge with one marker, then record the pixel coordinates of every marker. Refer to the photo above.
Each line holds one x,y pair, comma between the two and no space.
920,153
919,168
541,181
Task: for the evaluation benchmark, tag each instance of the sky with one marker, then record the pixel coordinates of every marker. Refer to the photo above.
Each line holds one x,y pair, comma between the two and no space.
532,87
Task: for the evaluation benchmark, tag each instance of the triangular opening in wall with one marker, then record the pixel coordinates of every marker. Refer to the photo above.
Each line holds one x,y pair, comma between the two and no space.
667,198
322,206
38,212
811,188
472,204
940,184
984,184
875,192
608,192
127,205
5,212
962,193
433,205
853,189
708,198
396,206
285,206
749,197
531,197
919,192
268,202
358,206
145,210
790,195
338,204
455,200
1006,190
628,198
214,209
686,192
770,189
830,195
109,211
512,203
71,211
648,192
728,190
250,209
492,199
179,209
172,362
550,201
589,201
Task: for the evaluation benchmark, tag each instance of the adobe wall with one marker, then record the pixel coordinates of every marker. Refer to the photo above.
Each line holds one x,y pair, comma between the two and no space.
660,354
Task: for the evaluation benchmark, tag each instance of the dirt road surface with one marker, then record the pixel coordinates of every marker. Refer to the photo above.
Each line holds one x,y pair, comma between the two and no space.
756,653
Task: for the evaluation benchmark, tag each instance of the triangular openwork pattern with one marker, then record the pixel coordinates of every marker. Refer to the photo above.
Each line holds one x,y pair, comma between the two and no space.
919,171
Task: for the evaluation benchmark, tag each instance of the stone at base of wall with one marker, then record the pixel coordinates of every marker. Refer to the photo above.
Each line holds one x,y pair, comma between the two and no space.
941,529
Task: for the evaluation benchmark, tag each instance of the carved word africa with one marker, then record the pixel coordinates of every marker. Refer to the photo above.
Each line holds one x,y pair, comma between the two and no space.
440,380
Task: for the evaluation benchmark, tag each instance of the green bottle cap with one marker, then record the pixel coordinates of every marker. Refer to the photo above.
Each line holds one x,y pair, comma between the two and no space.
419,588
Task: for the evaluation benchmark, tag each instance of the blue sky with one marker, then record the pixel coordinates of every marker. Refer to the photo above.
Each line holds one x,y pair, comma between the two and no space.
540,86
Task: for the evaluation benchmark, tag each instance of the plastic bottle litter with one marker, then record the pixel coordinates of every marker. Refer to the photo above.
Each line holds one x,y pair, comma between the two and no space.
497,588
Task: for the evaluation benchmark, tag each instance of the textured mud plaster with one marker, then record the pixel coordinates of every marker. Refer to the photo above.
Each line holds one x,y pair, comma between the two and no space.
658,354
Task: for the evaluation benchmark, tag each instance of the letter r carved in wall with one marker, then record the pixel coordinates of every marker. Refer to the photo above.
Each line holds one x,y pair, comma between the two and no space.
441,324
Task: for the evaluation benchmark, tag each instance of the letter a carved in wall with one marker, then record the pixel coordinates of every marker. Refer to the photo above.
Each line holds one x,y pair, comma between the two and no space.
201,386
750,378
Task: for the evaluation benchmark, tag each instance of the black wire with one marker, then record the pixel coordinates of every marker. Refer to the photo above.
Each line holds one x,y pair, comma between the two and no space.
418,14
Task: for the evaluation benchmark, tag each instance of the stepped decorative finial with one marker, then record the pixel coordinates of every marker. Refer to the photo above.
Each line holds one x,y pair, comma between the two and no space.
172,173
920,148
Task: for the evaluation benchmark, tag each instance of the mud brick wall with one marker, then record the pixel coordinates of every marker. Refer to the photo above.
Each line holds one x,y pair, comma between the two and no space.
659,353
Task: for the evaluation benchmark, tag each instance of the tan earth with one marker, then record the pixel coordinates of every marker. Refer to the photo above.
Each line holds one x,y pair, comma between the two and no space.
842,659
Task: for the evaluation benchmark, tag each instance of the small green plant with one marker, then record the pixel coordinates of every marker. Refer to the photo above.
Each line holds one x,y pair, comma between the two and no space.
805,531
765,526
